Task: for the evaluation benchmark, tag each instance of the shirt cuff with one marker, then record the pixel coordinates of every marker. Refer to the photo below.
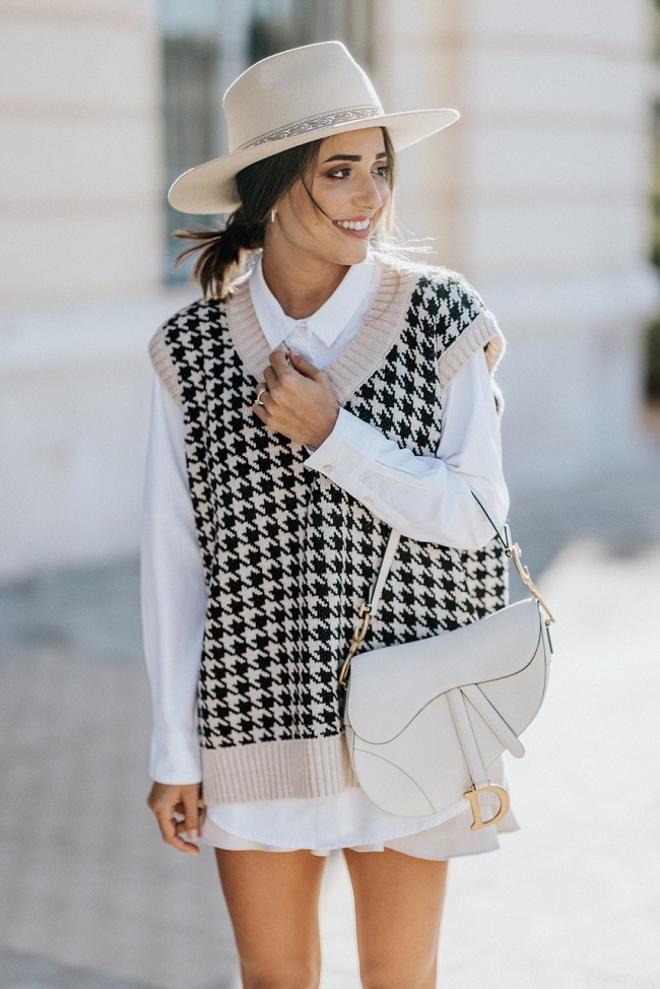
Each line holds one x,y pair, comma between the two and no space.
350,441
175,757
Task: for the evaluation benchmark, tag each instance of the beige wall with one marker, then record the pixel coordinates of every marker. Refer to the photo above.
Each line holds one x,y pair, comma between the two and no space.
79,130
539,194
80,212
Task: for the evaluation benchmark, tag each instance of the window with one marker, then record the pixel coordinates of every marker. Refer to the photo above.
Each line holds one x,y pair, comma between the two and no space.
205,46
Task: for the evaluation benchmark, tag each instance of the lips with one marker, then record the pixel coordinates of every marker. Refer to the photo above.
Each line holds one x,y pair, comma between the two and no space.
353,219
362,234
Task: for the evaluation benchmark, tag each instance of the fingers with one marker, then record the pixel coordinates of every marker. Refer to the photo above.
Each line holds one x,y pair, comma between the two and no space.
270,382
262,411
165,801
290,399
169,830
192,816
283,361
279,363
306,367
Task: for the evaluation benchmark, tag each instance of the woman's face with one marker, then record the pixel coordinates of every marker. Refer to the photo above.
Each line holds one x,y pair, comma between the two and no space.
349,183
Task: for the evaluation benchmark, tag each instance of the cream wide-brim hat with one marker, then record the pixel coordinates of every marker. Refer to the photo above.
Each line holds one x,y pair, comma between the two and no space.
291,98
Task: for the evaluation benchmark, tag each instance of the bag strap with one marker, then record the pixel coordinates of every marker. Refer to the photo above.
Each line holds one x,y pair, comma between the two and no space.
390,550
368,608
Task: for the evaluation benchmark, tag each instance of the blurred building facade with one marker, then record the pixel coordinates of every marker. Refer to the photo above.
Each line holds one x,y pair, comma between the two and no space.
539,194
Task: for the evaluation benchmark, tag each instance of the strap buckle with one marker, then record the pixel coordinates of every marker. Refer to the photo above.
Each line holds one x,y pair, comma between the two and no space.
513,551
359,633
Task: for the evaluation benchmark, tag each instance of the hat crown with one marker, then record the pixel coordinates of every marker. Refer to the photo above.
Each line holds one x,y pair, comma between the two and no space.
296,90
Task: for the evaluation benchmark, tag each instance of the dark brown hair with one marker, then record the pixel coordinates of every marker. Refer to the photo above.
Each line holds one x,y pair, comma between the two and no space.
259,187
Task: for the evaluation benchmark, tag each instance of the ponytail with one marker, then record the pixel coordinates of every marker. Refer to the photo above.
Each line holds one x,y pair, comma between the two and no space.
221,251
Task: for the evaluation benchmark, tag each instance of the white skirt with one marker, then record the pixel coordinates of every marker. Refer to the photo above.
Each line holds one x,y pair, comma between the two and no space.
349,819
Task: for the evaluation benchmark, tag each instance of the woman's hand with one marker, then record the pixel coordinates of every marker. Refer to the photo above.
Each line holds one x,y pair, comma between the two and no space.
300,402
168,799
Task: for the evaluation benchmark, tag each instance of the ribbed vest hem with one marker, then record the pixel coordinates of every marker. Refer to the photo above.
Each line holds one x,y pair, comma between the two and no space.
315,767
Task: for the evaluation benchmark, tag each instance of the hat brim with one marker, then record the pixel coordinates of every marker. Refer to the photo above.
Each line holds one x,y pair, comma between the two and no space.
210,187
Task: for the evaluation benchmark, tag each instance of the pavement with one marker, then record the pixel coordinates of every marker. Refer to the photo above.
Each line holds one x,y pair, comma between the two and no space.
92,897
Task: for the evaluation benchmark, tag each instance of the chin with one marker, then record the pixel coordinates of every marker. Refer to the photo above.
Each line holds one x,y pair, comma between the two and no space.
356,255
353,251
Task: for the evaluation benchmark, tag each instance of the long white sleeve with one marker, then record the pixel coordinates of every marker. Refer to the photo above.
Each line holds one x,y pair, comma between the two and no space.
426,497
173,596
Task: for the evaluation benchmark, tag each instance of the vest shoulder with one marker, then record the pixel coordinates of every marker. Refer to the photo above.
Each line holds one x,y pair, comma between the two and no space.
192,314
162,345
464,325
448,305
435,279
457,291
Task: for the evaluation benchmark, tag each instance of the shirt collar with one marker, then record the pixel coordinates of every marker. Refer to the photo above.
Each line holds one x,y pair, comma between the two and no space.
328,321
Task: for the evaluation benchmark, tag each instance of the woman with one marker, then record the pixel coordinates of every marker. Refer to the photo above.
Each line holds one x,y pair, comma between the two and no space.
313,398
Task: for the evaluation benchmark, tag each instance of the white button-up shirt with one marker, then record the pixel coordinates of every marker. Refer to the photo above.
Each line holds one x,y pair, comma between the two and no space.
426,497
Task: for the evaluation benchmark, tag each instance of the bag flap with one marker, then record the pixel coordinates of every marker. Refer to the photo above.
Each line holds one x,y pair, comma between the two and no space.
388,686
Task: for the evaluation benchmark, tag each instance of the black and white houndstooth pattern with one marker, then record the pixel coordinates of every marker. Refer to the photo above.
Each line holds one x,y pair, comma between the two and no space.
288,554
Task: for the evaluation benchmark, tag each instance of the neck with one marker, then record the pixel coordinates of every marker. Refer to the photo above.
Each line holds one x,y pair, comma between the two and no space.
300,282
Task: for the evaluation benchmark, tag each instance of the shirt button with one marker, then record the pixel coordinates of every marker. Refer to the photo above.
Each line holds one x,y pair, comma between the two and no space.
368,500
327,467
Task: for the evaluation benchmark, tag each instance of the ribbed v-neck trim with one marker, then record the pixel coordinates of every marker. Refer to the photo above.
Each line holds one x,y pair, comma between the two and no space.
380,326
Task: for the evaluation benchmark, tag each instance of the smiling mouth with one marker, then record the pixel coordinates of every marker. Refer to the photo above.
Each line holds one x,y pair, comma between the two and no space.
363,223
360,231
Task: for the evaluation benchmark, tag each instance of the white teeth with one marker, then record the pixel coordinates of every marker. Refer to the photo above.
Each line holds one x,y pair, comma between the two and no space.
353,224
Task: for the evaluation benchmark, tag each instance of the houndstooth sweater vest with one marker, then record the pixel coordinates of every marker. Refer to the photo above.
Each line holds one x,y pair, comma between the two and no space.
288,554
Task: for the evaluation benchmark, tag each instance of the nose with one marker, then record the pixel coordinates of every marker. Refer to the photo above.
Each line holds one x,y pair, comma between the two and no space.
370,196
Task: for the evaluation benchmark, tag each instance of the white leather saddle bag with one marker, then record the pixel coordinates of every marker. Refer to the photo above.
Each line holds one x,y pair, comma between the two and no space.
425,720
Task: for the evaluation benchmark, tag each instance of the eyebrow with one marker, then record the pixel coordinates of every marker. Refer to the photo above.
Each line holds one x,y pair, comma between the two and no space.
381,154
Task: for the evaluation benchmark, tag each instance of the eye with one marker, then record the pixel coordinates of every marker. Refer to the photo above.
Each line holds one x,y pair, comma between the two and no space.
383,169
